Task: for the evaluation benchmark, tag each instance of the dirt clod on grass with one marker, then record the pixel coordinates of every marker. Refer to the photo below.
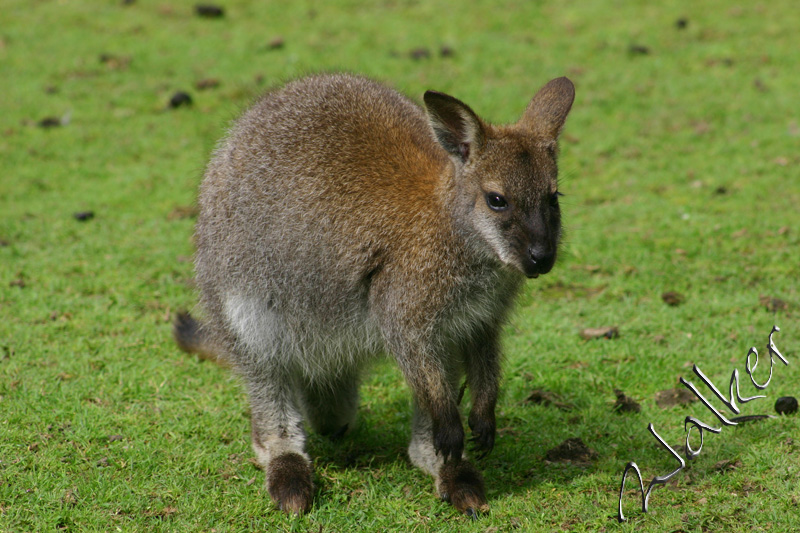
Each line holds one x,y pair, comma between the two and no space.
276,44
673,298
786,405
773,305
727,465
83,216
571,451
50,122
115,62
611,332
625,404
672,397
206,83
180,99
544,397
166,512
181,212
209,11
419,53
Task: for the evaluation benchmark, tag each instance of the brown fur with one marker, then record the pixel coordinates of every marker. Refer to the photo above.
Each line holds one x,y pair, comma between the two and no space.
338,221
190,337
290,483
461,484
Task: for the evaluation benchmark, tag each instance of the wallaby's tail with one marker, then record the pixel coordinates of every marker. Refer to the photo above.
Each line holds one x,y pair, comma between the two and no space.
193,338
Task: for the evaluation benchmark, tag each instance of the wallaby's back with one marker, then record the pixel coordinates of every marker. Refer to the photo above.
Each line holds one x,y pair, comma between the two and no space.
319,187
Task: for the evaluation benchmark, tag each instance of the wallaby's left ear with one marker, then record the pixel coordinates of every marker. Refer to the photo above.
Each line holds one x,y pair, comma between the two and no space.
457,128
548,110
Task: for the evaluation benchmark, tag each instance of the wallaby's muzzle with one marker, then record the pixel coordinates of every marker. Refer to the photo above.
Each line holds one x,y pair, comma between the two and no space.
538,260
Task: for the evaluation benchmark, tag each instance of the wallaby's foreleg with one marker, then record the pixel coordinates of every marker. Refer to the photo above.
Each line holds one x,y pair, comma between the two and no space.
437,439
331,407
457,480
432,369
435,394
482,361
279,441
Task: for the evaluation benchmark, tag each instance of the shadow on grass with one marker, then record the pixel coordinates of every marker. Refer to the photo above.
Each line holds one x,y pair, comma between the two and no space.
506,470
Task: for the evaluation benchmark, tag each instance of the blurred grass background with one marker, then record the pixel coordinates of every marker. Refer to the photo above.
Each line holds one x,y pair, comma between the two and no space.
680,164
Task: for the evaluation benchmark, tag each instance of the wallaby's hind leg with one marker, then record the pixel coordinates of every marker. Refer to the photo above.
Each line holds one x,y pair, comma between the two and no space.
457,480
331,407
279,443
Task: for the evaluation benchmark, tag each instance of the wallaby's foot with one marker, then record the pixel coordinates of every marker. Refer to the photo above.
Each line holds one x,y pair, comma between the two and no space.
289,483
461,484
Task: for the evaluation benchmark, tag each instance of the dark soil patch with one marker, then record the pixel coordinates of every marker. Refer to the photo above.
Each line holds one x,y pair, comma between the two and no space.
572,451
673,298
544,397
625,404
672,397
180,99
419,53
773,305
209,11
786,405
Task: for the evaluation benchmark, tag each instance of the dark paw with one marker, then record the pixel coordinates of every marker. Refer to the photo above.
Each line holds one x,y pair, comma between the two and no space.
483,432
289,483
461,484
339,433
448,440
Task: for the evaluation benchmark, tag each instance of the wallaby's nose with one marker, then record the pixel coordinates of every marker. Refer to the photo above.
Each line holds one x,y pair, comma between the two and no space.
540,260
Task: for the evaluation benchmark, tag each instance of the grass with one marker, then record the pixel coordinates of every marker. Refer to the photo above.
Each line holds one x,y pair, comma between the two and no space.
680,167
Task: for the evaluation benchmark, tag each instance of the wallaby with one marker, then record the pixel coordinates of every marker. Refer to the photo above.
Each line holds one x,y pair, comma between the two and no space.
338,221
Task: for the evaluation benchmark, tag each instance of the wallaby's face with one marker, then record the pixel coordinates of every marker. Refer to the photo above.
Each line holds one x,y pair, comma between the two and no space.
515,197
506,177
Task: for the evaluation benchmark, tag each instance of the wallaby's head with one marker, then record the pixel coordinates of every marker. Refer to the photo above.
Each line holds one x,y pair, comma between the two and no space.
506,178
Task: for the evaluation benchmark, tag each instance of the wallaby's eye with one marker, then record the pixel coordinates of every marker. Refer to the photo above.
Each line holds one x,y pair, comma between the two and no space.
496,201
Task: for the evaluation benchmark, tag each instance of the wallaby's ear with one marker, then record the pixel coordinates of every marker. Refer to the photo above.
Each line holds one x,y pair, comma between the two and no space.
457,128
548,110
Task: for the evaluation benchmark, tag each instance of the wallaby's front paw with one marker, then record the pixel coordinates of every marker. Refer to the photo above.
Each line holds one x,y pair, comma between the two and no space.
289,483
461,484
448,440
483,432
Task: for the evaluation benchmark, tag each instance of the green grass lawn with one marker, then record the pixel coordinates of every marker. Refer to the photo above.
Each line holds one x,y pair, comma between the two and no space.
681,168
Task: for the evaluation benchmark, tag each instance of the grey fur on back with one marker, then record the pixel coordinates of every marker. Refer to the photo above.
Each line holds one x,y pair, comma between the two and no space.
293,275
